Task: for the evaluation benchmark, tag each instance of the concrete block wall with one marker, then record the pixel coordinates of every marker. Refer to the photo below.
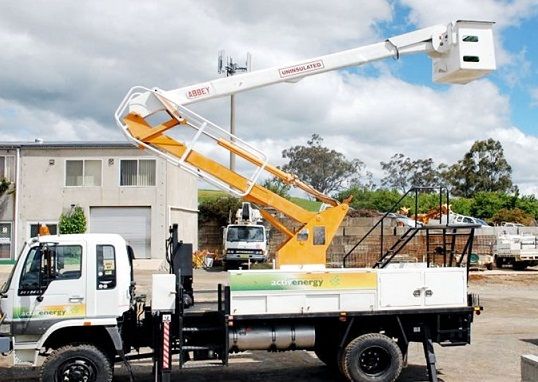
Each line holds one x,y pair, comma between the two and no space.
353,229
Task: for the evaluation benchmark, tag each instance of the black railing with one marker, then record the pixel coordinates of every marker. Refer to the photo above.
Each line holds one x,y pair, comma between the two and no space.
443,191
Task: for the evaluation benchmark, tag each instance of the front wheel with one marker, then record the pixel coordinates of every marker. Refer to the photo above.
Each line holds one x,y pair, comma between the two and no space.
80,363
372,357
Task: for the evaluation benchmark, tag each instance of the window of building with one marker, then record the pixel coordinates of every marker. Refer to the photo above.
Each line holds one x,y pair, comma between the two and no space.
83,173
137,172
106,266
34,228
5,240
7,167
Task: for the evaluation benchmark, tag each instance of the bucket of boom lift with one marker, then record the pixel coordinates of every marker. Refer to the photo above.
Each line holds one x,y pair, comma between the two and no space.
471,53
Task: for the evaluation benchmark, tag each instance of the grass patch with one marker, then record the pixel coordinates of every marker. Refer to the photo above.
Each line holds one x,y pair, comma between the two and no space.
310,205
204,195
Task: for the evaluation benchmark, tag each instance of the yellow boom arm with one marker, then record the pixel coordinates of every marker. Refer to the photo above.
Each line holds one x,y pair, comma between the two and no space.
303,247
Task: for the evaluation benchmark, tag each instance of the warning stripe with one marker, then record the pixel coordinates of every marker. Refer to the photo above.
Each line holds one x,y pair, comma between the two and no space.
166,344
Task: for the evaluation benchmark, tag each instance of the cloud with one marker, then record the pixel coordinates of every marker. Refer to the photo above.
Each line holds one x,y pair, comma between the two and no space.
24,123
65,67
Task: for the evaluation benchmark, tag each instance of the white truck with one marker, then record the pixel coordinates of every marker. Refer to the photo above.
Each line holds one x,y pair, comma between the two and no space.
246,239
519,251
71,300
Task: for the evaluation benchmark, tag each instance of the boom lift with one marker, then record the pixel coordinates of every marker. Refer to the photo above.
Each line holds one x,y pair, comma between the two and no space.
460,53
71,300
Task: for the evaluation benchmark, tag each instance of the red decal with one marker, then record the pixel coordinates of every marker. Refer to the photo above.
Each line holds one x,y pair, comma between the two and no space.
198,92
300,69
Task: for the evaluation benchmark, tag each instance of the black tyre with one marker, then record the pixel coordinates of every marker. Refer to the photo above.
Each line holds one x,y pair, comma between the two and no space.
372,357
498,263
520,265
76,364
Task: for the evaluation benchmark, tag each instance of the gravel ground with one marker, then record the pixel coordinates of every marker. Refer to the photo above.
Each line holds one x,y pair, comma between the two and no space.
506,329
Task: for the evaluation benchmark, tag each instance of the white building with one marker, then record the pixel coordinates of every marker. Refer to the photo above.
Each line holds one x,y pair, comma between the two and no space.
122,190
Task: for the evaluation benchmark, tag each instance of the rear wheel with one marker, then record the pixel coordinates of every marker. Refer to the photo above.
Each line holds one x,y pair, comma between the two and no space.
372,357
81,363
520,265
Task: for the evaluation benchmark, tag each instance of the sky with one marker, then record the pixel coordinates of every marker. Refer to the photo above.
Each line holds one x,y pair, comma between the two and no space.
66,65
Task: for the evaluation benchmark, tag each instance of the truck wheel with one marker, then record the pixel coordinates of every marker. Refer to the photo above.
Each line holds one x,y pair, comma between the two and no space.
76,364
520,266
372,357
498,263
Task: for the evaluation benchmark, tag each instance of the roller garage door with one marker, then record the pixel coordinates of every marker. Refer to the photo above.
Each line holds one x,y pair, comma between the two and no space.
133,223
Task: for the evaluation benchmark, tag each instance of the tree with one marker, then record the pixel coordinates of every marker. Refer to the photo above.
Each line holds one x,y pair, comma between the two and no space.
483,168
73,221
218,209
515,215
487,204
396,172
277,186
325,169
4,185
529,204
402,173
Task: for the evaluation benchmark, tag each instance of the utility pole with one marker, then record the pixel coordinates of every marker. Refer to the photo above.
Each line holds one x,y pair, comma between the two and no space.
231,68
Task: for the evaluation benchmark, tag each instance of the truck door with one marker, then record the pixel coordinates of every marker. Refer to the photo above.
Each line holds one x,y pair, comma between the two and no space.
51,287
105,282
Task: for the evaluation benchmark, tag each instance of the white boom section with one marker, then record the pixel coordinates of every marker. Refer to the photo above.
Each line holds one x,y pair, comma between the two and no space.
461,52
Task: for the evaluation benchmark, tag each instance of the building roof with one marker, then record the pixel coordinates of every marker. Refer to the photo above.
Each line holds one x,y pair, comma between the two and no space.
39,144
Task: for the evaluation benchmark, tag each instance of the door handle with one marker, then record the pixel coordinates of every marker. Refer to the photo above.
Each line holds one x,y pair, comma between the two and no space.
76,299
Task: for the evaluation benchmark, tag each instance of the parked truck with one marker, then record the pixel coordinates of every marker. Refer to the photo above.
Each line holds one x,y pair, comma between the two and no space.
519,251
246,239
71,299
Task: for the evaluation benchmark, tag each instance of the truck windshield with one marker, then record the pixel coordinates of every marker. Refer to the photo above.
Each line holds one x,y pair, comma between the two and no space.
246,233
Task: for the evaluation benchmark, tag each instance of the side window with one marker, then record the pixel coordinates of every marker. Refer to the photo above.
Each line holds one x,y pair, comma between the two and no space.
46,263
68,261
106,267
30,272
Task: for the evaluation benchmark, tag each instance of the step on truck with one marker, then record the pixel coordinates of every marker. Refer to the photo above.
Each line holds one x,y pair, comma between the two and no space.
71,299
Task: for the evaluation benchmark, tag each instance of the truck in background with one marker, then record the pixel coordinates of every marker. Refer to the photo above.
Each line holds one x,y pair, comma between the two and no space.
246,239
519,251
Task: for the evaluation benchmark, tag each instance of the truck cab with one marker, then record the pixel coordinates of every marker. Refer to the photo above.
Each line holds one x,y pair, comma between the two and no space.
246,239
64,285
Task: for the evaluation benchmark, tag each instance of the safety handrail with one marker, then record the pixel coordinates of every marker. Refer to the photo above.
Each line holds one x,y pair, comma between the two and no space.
393,207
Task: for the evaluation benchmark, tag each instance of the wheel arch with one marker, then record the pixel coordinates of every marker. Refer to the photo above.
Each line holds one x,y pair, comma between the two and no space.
104,337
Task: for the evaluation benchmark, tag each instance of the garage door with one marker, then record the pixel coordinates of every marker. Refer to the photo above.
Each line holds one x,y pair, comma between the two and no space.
133,223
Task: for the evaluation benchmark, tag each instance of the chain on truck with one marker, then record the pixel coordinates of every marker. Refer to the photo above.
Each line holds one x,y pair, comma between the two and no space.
71,300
